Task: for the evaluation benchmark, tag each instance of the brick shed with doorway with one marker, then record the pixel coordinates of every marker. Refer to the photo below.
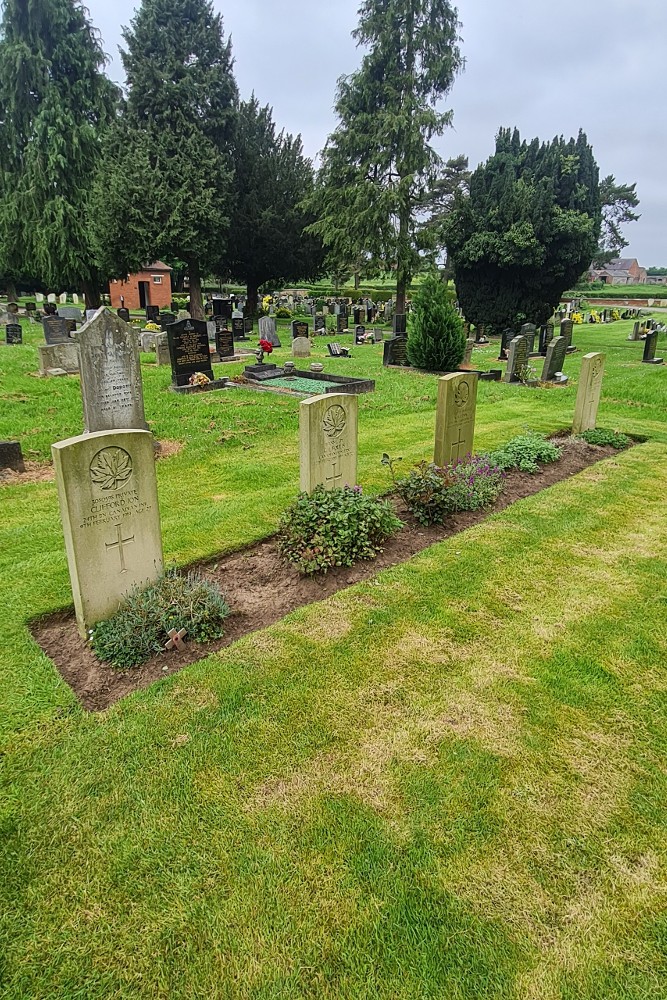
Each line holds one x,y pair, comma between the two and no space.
151,287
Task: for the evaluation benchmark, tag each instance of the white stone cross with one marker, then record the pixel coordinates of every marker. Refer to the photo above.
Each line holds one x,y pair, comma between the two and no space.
118,544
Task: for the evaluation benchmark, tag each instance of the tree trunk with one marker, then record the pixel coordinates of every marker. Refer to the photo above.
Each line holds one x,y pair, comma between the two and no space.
12,292
92,295
356,280
251,299
402,275
196,301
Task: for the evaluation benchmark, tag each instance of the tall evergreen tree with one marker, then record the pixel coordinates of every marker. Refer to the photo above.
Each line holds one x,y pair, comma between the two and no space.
526,231
436,339
267,239
166,187
618,202
378,164
55,102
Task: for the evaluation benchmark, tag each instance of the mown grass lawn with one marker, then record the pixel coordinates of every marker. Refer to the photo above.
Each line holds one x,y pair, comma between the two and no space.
447,782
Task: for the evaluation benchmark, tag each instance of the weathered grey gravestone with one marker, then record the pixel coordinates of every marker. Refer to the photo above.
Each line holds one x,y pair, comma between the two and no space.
546,336
60,357
109,510
467,354
111,386
650,347
267,330
517,359
162,356
566,330
328,441
553,363
455,417
588,393
529,330
301,347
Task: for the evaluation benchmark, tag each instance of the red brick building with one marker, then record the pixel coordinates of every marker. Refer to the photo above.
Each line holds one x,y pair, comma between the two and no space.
151,287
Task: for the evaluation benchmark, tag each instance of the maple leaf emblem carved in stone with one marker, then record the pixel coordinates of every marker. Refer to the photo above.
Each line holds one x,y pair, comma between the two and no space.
334,421
111,468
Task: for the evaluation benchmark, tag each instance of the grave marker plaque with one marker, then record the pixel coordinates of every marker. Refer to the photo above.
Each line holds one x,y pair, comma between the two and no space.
189,350
107,492
395,352
400,323
299,328
455,417
238,328
56,330
111,388
529,330
328,441
319,324
13,333
360,334
588,393
224,342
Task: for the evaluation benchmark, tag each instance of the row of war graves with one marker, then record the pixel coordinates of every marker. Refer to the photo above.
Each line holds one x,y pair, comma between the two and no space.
106,476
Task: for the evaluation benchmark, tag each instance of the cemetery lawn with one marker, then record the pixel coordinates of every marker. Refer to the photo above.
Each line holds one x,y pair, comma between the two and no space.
447,781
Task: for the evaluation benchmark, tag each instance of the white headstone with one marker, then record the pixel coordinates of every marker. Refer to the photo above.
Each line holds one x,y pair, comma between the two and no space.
588,392
328,441
39,297
111,386
51,297
63,298
455,417
107,492
75,298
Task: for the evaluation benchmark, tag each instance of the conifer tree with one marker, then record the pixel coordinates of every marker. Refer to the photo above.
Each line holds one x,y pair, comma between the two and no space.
166,187
526,231
436,339
378,164
55,102
266,236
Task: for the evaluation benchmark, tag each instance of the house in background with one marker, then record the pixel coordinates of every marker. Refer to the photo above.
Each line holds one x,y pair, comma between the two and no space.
622,271
151,287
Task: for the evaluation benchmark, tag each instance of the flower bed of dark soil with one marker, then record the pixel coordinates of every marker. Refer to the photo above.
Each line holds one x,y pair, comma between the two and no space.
261,588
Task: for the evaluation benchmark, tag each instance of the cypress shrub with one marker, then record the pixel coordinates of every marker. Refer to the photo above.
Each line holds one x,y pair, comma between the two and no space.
436,340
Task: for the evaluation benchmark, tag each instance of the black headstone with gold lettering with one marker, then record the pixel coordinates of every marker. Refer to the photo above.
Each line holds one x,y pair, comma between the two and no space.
189,350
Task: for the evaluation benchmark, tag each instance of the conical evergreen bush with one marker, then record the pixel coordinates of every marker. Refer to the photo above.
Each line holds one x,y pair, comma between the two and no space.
436,340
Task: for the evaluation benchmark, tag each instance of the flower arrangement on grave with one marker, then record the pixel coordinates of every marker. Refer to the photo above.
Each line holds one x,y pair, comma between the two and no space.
198,379
153,327
577,319
615,315
265,347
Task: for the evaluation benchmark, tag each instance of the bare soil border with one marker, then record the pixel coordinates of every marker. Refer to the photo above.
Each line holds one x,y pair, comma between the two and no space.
261,588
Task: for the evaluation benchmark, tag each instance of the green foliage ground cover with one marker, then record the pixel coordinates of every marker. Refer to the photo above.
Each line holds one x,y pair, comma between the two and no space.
446,781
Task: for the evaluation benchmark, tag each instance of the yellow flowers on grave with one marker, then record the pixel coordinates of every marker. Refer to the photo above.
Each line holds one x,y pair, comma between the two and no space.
615,314
577,319
153,327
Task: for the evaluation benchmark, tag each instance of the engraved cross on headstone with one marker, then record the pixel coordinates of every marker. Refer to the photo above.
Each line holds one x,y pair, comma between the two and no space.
118,544
176,639
336,475
456,447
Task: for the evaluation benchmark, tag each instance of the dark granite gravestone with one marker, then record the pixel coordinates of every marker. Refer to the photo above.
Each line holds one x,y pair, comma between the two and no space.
566,330
299,329
56,329
14,333
395,351
517,359
152,313
222,307
341,323
30,307
319,325
400,323
505,340
650,347
11,456
71,313
165,319
247,324
546,336
124,314
189,350
224,341
553,363
238,328
529,330
358,313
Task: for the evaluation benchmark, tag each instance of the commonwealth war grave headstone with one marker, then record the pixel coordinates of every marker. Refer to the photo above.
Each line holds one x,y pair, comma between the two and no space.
328,441
107,492
111,387
588,392
455,417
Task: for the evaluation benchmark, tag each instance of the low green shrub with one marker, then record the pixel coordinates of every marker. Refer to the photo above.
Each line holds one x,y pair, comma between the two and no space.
139,627
283,313
524,452
431,492
337,527
602,438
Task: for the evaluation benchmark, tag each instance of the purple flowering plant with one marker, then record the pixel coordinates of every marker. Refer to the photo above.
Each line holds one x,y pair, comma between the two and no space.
432,492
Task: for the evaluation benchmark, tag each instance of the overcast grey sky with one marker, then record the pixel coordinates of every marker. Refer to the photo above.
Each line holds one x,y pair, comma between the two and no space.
548,68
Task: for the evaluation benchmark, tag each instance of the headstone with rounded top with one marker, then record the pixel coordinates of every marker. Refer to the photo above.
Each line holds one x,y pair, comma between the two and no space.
328,441
107,492
517,359
267,331
301,347
588,392
553,363
111,387
455,417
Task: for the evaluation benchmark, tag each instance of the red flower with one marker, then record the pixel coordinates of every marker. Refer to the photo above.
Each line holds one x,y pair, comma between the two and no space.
266,346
